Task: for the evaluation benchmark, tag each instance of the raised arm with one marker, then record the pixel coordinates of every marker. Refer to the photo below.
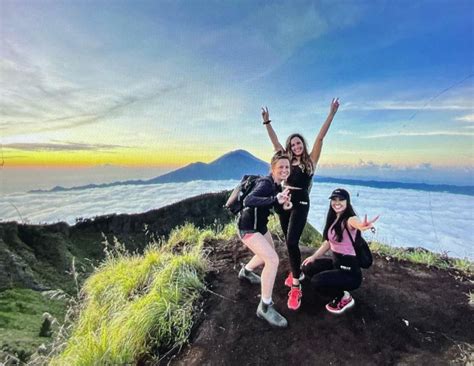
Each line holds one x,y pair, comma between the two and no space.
318,144
271,132
355,223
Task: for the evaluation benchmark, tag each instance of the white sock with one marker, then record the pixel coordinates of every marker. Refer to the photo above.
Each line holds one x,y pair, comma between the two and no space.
267,301
346,295
301,276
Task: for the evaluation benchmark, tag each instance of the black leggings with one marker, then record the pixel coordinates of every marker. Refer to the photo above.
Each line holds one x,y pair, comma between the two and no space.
292,223
333,276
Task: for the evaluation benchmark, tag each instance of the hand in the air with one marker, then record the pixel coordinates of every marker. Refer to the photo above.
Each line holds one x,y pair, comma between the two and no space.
334,105
366,225
265,114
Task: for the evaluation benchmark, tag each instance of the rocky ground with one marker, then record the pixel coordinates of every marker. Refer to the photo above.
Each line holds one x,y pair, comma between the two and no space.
405,314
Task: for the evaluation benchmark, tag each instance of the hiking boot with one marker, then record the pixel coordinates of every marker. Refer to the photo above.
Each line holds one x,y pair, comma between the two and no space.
250,276
273,317
294,297
338,306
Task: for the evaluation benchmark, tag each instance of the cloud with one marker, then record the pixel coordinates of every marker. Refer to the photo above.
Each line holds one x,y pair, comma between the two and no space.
346,132
424,166
408,217
461,104
61,146
267,36
37,97
417,134
371,165
466,118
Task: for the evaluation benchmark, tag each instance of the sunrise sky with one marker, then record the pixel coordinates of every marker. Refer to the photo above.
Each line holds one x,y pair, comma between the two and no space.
160,84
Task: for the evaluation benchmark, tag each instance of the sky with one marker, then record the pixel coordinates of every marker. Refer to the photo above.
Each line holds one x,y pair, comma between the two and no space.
93,91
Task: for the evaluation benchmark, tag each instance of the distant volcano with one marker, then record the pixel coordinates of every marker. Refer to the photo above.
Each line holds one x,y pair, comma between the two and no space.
236,164
232,165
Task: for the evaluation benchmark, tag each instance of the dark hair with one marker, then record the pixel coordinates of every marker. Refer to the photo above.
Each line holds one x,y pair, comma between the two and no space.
341,221
306,162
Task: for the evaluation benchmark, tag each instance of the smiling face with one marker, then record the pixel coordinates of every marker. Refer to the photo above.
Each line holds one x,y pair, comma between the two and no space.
339,205
297,146
280,169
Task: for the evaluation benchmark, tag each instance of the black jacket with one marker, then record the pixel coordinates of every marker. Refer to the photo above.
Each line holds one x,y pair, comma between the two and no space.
257,205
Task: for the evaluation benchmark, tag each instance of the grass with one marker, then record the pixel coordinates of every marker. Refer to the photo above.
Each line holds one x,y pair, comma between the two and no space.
21,313
310,237
134,306
423,256
137,305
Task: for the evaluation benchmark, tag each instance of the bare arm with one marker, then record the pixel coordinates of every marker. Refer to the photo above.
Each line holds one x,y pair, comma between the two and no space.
271,132
319,253
318,144
355,223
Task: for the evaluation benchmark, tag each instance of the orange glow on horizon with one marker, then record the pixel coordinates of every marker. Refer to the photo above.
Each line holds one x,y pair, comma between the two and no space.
126,158
175,158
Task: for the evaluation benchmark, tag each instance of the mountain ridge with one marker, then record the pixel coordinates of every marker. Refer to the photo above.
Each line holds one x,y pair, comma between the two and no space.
234,164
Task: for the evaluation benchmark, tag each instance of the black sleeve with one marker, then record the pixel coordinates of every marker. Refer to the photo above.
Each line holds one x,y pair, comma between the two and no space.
263,194
278,207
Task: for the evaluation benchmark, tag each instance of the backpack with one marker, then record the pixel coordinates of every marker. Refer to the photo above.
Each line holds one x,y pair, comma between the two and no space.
363,253
235,202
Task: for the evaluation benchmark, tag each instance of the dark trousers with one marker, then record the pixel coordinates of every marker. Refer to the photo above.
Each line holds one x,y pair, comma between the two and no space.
292,223
333,276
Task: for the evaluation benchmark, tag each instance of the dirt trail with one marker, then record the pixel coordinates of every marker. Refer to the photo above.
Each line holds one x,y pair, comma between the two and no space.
405,314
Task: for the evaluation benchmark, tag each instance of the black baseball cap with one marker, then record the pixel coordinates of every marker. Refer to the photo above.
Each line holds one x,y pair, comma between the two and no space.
340,193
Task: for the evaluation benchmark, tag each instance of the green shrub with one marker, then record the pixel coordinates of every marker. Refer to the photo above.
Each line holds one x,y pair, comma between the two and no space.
135,304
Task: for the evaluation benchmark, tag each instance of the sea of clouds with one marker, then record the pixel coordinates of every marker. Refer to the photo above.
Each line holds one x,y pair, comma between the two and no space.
440,222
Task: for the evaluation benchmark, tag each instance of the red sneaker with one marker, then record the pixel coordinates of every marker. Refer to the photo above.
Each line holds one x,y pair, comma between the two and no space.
338,307
294,297
289,280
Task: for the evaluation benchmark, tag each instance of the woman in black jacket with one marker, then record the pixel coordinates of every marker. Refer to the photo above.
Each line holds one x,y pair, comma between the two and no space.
253,231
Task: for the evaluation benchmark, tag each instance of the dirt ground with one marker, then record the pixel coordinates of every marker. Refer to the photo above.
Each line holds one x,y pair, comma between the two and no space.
405,314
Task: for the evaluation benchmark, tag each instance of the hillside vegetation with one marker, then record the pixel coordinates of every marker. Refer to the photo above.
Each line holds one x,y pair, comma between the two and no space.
144,298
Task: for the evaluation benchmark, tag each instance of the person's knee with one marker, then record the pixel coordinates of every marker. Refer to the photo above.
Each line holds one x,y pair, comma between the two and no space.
272,260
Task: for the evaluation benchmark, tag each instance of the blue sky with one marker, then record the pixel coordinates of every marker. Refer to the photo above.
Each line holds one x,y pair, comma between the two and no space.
162,84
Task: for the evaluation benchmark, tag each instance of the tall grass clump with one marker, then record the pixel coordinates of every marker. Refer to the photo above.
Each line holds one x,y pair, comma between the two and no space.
186,235
134,306
227,232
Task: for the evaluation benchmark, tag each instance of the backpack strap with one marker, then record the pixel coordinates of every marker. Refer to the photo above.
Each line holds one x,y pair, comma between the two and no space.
350,236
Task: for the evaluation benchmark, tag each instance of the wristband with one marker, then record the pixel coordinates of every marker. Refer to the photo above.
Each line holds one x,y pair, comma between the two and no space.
267,122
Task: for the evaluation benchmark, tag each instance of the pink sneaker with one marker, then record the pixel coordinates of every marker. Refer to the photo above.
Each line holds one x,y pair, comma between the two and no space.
294,297
338,307
289,280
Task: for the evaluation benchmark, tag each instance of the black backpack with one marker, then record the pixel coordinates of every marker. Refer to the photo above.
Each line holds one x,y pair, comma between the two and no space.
235,202
363,253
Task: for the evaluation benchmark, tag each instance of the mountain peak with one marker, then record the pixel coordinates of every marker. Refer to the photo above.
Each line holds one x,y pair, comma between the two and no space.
236,155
